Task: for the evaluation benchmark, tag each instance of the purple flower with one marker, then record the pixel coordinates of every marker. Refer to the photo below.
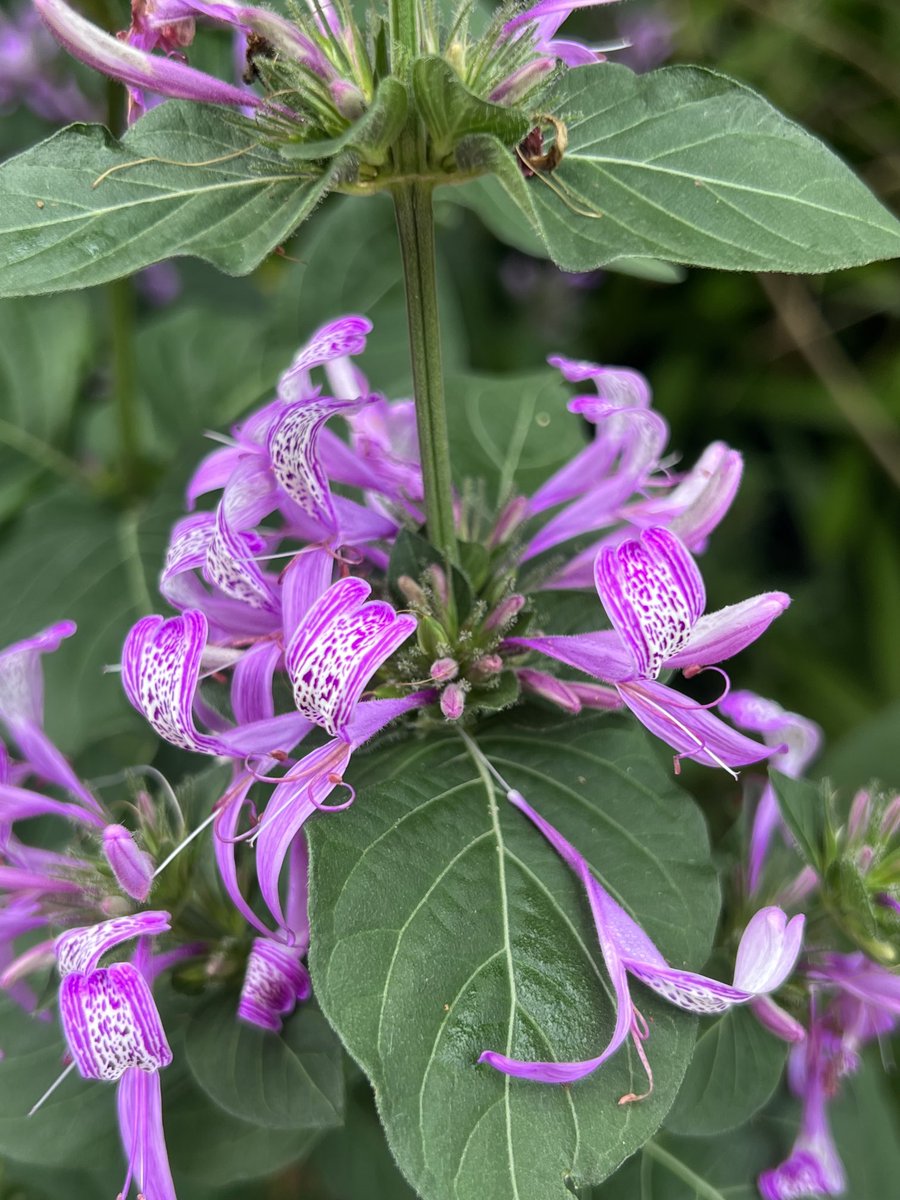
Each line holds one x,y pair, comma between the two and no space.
137,69
114,1032
650,35
795,741
813,1167
654,596
30,75
862,1003
22,709
132,867
283,456
275,981
766,956
542,21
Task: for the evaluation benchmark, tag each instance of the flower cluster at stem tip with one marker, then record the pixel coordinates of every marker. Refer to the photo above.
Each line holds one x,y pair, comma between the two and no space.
310,610
308,81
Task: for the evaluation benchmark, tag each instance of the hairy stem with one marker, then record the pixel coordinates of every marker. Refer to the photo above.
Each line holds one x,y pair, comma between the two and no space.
415,225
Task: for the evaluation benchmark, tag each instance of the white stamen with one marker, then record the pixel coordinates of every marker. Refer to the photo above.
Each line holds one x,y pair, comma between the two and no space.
51,1089
187,841
701,745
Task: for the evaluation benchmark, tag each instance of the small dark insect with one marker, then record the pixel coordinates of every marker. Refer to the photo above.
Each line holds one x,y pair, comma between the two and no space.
257,47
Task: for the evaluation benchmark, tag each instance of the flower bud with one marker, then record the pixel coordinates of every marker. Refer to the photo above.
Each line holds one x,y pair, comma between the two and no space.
444,669
505,612
412,591
453,701
860,810
486,667
133,868
890,822
509,520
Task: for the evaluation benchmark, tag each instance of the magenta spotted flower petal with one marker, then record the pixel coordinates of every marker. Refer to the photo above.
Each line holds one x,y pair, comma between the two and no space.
160,672
654,596
340,642
80,950
653,593
274,982
111,1023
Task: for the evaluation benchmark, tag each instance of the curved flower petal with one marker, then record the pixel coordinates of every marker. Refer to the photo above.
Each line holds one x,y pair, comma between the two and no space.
224,832
722,634
231,565
213,473
801,738
599,654
653,595
160,672
274,981
79,950
111,1022
139,1105
305,788
293,447
689,728
165,76
766,956
334,341
336,648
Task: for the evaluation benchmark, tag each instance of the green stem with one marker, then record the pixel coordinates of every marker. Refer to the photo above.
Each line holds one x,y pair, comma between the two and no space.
703,1189
404,27
415,225
121,301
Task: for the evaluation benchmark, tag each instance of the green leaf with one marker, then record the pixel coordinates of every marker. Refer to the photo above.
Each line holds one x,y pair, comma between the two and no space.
354,1163
443,925
686,164
802,805
735,1069
63,227
45,346
216,1149
72,557
372,135
451,111
512,431
871,751
76,1125
292,1080
487,197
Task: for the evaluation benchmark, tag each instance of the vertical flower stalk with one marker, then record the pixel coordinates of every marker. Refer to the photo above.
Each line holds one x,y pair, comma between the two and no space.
415,226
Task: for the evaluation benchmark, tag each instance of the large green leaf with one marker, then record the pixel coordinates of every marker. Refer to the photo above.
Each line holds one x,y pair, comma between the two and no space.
72,557
871,751
44,352
76,1125
215,1148
292,1080
62,226
735,1069
686,164
802,805
514,430
443,925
